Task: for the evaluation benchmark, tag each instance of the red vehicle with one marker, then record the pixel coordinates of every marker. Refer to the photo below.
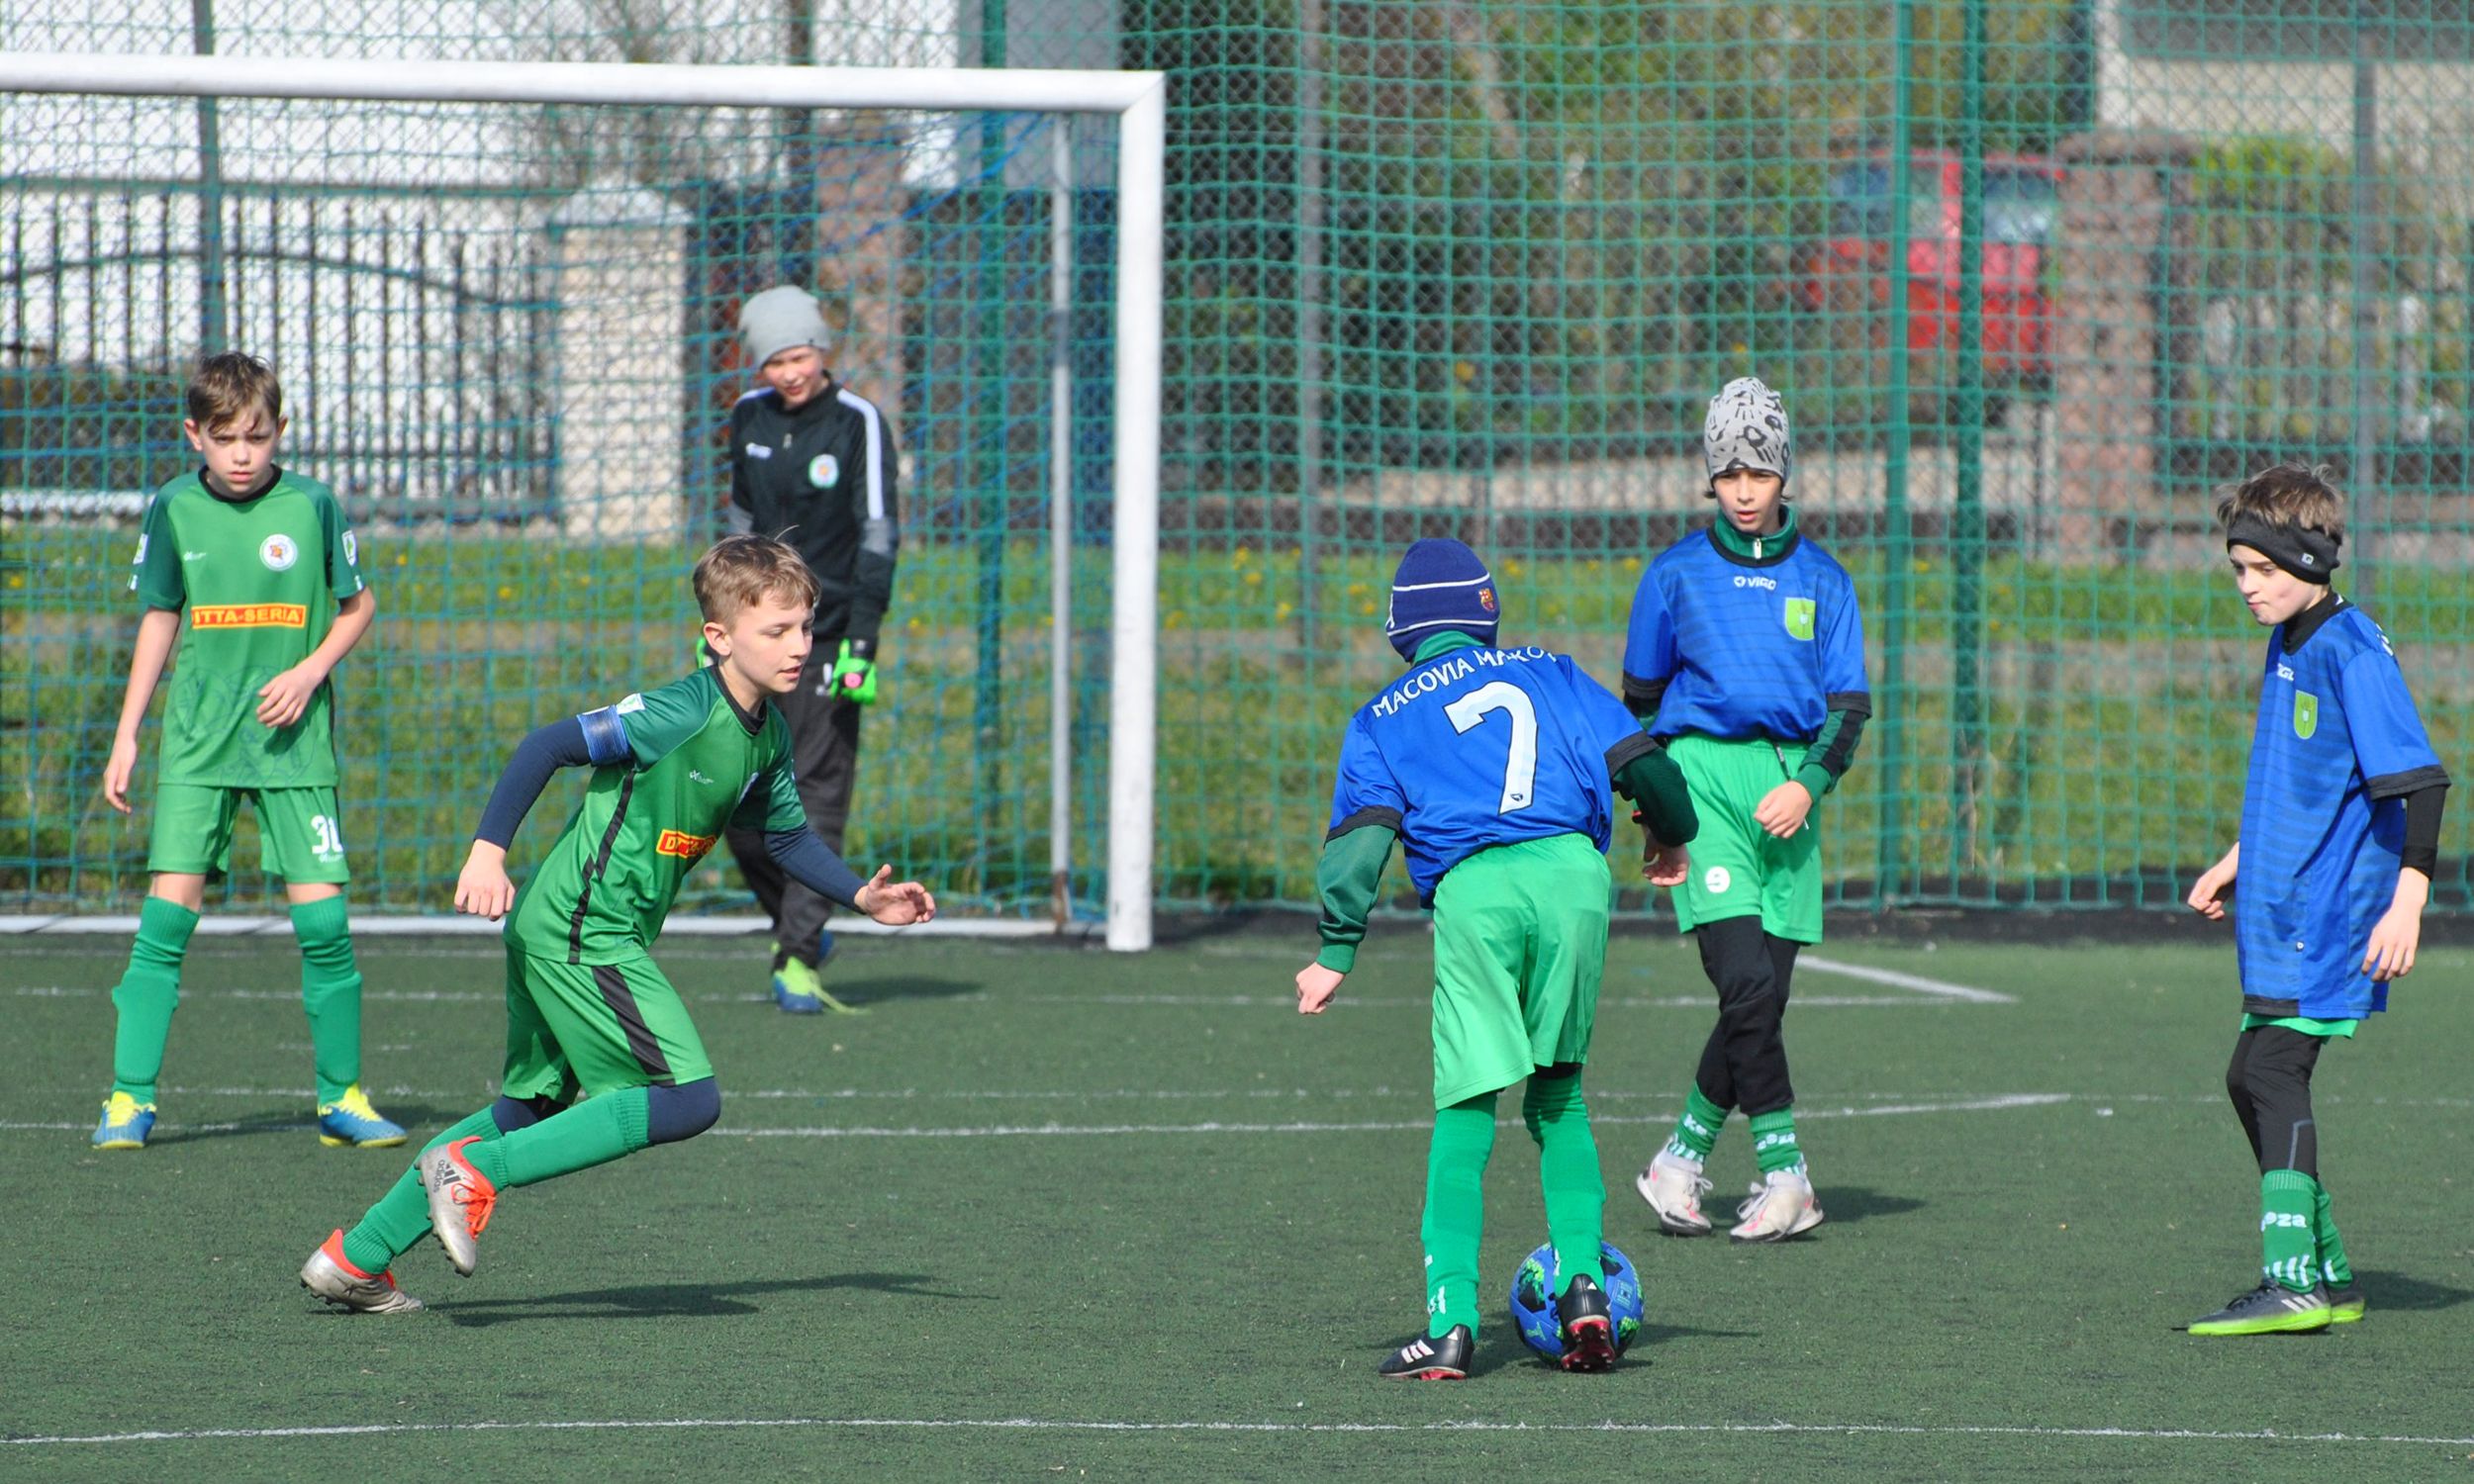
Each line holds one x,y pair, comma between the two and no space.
1849,272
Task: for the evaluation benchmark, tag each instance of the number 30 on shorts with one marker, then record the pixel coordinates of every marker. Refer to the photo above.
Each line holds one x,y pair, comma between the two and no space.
1520,764
326,837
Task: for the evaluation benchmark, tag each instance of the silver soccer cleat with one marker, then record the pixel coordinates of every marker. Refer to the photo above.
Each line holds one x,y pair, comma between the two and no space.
327,1276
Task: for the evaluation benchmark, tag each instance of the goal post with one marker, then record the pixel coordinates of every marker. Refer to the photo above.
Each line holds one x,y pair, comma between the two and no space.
1134,103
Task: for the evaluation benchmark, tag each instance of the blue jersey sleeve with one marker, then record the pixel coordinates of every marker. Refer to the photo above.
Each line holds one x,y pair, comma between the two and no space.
1842,651
2389,744
1366,792
1649,643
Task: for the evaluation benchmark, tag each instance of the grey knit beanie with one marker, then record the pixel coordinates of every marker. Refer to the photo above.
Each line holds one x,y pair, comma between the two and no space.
783,317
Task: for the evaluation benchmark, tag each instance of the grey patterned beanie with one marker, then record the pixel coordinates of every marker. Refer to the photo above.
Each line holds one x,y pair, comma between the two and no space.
1746,429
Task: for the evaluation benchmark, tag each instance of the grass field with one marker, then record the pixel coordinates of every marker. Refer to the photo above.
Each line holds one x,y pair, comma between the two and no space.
1048,1211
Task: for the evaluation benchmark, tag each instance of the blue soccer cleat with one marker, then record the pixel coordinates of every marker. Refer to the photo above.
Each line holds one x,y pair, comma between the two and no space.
125,1123
797,989
350,1122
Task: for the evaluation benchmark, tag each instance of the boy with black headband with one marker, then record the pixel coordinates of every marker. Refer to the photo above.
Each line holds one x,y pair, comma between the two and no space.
2340,831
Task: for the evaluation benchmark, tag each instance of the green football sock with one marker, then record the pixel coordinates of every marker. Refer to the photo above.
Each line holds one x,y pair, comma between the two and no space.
1773,1141
402,1216
148,993
1697,1132
1568,1172
1455,1212
2289,1252
2333,1265
330,992
594,1132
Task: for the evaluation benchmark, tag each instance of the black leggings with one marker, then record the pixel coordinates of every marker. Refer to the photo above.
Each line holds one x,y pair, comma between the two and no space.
2270,1080
1743,1064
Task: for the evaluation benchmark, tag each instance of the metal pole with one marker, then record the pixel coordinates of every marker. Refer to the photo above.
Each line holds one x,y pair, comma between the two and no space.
1310,308
1134,692
1061,520
213,326
1968,503
2362,472
1890,862
985,440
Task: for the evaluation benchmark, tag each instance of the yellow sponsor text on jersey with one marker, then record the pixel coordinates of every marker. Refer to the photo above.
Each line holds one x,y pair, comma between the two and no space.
681,843
248,616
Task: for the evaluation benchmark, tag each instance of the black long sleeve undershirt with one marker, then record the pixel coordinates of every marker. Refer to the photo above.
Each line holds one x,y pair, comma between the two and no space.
2422,812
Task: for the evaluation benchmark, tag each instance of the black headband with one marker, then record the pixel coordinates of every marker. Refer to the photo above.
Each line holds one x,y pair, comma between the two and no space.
2301,550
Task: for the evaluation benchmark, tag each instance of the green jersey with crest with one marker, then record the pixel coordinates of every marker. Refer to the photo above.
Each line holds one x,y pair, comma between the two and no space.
672,769
255,582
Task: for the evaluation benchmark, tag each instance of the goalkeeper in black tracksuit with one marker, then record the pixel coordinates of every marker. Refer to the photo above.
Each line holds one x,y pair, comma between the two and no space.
814,464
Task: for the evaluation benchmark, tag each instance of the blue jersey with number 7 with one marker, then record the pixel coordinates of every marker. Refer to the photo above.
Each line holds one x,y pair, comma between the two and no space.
1479,747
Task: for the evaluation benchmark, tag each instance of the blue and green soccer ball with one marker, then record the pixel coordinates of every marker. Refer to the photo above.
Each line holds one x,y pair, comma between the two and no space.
1533,1299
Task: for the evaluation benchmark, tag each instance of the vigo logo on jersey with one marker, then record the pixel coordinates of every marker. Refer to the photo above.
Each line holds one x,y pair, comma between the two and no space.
248,616
685,846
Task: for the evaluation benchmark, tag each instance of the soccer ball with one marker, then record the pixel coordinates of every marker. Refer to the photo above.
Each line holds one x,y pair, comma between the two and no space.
1533,1299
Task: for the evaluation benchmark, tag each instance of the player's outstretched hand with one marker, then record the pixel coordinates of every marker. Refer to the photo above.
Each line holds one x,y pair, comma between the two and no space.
483,888
2207,896
116,772
2394,938
282,701
894,903
1783,810
1668,865
1316,987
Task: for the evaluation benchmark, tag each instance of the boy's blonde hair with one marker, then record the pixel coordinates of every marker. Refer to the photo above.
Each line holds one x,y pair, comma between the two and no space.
2288,495
226,389
740,572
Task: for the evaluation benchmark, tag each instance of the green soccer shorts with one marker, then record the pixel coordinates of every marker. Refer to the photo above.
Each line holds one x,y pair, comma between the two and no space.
1739,868
1520,946
300,834
595,1028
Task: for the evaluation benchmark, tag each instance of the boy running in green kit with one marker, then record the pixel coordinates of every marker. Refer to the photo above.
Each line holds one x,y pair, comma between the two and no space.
1492,768
250,570
1746,656
601,1059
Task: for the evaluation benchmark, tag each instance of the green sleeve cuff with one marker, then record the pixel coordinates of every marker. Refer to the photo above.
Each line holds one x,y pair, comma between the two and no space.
1817,780
1654,783
1346,880
1339,958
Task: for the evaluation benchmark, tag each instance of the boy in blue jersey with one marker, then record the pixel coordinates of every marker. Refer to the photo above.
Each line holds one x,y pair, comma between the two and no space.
1746,657
1492,768
2340,834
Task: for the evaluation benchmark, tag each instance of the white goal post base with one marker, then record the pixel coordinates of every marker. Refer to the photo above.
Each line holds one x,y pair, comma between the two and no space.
1136,101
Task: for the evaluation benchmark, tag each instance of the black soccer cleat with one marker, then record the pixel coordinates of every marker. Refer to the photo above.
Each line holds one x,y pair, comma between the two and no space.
2344,1304
1425,1359
2270,1309
1588,1329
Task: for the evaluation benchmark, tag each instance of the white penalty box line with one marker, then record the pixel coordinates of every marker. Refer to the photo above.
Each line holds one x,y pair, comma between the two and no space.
1292,1429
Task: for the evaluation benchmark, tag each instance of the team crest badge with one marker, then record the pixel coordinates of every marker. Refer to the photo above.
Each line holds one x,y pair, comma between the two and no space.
2306,714
1800,618
825,470
1485,598
1716,881
278,552
351,550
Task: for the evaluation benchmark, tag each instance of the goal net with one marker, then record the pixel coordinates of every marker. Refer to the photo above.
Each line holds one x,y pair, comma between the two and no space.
501,301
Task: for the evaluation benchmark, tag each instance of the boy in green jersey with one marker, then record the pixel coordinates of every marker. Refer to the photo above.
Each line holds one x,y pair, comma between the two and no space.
601,1059
250,572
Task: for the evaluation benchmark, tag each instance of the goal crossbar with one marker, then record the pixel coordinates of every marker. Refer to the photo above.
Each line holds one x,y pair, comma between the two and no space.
1137,101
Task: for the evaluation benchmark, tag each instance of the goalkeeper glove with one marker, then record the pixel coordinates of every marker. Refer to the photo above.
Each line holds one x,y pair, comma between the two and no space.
854,672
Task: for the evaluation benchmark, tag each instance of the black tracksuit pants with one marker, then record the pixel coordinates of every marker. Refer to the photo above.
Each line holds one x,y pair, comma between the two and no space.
1744,1064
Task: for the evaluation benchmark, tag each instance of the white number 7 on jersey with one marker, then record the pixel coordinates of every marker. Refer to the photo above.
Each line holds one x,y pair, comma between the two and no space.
1520,765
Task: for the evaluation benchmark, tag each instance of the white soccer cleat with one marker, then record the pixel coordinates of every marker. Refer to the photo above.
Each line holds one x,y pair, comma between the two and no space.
1780,1207
1673,1185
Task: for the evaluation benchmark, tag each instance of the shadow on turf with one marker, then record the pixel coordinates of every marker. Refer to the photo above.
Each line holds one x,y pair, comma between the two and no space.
2395,1290
1501,1348
679,1300
292,1120
1847,1205
893,988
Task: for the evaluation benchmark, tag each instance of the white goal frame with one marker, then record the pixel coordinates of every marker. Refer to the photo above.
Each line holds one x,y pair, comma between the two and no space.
1137,103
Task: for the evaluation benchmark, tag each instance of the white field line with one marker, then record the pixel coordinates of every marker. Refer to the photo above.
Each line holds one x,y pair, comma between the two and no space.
1054,1130
1915,981
1110,1001
458,925
1067,1425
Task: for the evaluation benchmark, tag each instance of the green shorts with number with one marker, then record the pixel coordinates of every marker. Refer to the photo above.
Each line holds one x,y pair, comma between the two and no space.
1739,868
1520,946
300,836
595,1028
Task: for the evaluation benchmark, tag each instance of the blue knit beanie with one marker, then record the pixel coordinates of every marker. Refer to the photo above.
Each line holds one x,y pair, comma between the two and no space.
1441,585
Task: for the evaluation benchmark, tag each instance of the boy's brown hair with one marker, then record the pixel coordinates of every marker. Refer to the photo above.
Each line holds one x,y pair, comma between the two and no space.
2289,496
226,389
740,572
